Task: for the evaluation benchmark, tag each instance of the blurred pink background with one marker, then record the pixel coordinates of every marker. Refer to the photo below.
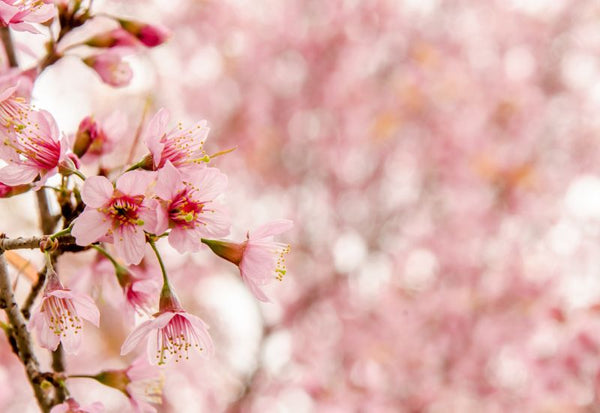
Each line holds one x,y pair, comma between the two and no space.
440,160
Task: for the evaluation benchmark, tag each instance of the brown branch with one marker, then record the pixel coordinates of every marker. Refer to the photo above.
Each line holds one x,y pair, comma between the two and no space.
8,46
47,221
21,243
21,337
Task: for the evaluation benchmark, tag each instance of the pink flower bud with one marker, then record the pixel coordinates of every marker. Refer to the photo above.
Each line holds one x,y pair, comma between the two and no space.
111,68
148,34
6,191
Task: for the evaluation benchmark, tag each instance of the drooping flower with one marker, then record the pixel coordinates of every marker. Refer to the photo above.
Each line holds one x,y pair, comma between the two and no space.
97,137
139,289
183,147
171,333
58,318
19,14
189,208
71,406
122,213
141,382
111,68
31,143
259,258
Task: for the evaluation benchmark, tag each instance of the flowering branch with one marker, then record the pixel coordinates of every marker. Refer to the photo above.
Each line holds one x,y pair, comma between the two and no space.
20,243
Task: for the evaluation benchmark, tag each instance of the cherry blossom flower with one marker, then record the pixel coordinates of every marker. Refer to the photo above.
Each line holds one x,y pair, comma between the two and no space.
111,68
121,213
141,382
31,143
71,406
97,137
259,258
171,333
19,14
58,318
189,207
139,289
183,147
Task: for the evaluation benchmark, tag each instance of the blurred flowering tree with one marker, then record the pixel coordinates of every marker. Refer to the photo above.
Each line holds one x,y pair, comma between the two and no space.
439,159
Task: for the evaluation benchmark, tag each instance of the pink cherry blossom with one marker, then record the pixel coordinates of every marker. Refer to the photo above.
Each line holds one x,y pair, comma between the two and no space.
171,334
183,147
122,213
71,406
140,289
141,382
189,207
259,258
111,68
19,14
96,137
31,143
58,318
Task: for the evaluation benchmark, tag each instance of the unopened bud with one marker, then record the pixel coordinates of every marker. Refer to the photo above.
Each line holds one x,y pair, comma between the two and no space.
111,68
149,35
6,191
230,251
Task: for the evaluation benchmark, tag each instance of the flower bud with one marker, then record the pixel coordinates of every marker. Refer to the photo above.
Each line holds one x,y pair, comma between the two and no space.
111,68
231,251
6,191
148,34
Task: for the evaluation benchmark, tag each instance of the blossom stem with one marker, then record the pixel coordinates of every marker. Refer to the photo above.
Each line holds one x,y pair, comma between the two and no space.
65,231
166,285
81,376
107,255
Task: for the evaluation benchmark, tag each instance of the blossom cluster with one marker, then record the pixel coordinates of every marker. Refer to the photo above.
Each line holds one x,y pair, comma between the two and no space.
172,192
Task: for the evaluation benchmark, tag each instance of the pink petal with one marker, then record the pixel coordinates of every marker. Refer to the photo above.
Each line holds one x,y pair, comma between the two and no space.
169,182
154,132
254,289
46,124
134,182
184,240
130,241
217,221
18,174
86,308
210,183
150,214
271,228
208,347
96,191
24,27
143,330
90,226
71,341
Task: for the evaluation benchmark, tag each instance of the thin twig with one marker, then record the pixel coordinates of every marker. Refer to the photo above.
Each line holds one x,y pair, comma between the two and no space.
20,243
47,222
21,336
